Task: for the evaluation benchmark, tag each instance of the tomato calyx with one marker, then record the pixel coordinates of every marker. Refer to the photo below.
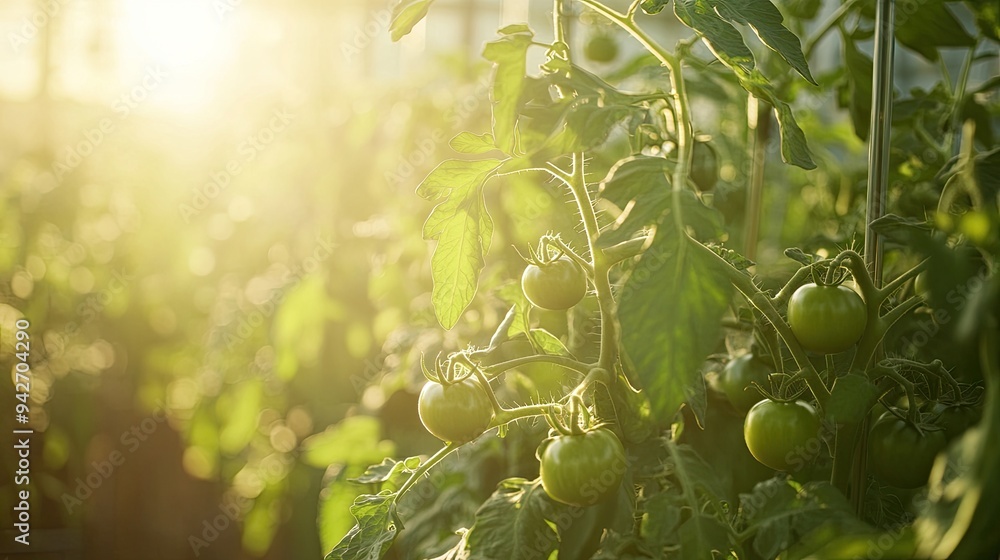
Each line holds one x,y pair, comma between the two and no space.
551,248
571,420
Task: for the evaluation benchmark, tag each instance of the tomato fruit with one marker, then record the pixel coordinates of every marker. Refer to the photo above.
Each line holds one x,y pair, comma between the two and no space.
704,166
582,470
782,435
826,319
956,419
601,48
737,379
556,285
456,413
899,454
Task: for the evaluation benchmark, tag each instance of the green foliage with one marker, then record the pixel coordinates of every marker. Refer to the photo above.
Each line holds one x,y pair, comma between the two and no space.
405,15
515,523
667,356
463,229
374,533
629,358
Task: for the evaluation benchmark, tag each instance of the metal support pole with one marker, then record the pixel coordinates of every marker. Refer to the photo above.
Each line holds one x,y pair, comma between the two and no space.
878,144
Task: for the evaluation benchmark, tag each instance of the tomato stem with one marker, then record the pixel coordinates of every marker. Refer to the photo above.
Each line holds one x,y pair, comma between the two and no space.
601,265
508,415
891,287
560,245
845,443
561,361
906,384
762,303
797,280
424,467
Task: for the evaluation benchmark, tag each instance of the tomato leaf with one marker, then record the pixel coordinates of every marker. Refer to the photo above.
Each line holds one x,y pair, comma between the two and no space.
548,343
356,440
653,7
851,398
508,53
987,172
511,294
794,148
388,469
469,143
782,511
463,229
459,551
724,40
670,309
987,17
514,523
705,536
405,15
644,179
374,533
765,20
857,85
664,516
926,26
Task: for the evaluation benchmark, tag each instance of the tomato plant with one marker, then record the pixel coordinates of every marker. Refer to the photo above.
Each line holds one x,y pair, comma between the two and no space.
555,285
582,469
778,434
738,378
456,412
902,454
826,319
652,236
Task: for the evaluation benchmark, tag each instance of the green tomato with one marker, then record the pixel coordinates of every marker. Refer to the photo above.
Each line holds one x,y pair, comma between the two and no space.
601,48
458,412
956,419
783,435
899,454
582,470
826,319
556,286
737,378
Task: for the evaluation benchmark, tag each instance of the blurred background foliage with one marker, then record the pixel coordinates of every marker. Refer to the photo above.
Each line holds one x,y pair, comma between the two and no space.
207,215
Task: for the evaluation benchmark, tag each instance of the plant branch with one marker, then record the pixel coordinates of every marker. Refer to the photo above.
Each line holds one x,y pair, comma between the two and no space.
426,466
762,303
561,361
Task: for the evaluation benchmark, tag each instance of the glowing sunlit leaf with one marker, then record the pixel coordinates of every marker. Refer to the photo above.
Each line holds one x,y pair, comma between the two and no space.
463,229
